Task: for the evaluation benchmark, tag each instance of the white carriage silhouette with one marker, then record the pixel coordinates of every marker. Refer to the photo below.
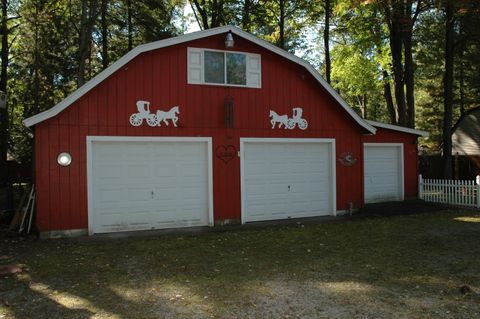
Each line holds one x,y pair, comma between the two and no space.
152,119
289,123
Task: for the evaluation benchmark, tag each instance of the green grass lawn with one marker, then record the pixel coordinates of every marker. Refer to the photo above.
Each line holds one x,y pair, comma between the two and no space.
403,267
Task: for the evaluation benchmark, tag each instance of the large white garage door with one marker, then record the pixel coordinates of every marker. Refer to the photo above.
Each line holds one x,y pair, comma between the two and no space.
383,172
286,179
138,185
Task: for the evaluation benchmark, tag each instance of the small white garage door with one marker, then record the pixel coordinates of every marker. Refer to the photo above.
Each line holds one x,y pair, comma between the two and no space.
286,179
383,168
139,184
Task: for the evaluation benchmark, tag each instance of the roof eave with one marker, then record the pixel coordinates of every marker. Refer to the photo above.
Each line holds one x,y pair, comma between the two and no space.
399,128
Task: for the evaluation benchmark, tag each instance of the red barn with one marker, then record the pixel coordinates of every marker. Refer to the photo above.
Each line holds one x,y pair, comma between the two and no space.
196,131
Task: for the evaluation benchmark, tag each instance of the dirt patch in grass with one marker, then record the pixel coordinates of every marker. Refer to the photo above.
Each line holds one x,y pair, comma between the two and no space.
405,267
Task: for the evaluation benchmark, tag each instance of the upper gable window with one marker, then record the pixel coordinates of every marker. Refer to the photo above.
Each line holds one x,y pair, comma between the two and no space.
214,67
228,68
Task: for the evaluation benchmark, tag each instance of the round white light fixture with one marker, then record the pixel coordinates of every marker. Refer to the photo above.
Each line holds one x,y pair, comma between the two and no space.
64,159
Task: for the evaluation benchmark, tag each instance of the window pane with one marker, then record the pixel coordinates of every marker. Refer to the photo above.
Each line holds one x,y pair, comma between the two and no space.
236,68
214,67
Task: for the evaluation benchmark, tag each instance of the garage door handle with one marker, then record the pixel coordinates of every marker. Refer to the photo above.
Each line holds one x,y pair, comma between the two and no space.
152,194
288,187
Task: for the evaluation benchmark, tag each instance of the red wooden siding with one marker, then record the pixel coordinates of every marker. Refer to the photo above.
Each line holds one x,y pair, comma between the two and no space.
409,155
160,77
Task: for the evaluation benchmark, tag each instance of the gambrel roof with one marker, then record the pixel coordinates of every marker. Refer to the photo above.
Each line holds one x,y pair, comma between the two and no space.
369,126
186,38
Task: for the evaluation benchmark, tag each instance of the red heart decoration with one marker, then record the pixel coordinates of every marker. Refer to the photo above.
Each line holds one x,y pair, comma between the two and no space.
226,153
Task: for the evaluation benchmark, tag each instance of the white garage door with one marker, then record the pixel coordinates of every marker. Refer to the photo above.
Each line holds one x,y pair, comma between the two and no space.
383,172
286,179
137,184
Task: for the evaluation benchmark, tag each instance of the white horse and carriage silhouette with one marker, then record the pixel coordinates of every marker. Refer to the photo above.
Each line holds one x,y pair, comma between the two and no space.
289,123
153,119
156,119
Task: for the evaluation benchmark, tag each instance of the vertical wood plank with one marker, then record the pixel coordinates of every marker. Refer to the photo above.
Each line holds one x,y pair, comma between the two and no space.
42,174
54,190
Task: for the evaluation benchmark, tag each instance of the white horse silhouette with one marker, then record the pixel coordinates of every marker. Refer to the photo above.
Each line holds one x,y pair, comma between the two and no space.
169,115
275,118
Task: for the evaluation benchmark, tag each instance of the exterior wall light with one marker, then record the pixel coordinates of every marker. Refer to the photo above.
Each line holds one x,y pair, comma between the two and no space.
64,159
229,40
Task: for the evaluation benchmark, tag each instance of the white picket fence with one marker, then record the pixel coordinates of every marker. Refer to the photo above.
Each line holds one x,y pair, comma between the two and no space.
454,192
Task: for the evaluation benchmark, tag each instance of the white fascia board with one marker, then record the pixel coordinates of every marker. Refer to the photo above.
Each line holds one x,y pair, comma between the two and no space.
185,38
399,128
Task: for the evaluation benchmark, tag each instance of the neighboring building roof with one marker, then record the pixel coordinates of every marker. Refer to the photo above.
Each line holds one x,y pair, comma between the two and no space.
186,38
398,128
466,133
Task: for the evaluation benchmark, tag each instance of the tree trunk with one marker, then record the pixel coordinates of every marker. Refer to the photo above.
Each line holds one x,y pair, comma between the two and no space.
395,26
129,25
87,21
214,14
396,47
35,68
83,38
448,90
281,24
407,31
218,16
200,8
3,87
326,40
246,20
387,93
364,103
461,49
409,67
462,87
409,82
104,32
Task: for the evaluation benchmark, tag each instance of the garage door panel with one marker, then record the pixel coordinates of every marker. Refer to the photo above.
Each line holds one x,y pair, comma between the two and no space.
108,170
383,180
152,184
167,181
387,185
138,171
110,195
164,194
387,165
383,173
190,200
278,189
286,180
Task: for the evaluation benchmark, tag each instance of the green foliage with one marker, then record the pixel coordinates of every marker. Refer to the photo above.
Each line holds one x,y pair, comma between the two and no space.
429,56
429,79
356,77
152,20
44,52
353,72
44,44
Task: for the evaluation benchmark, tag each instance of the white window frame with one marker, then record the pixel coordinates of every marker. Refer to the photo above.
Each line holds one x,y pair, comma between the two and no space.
248,70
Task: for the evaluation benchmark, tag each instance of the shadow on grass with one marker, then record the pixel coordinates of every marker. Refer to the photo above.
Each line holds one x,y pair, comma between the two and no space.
372,268
24,302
